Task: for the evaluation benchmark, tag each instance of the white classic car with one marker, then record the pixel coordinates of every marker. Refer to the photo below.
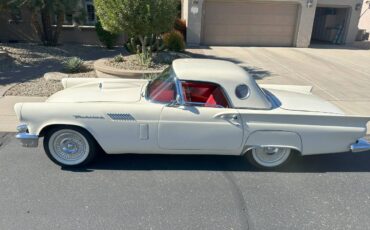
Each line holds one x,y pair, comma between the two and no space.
197,106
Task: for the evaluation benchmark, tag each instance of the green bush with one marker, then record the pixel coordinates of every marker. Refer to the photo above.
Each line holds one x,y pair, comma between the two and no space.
174,41
118,58
137,19
107,38
74,65
180,25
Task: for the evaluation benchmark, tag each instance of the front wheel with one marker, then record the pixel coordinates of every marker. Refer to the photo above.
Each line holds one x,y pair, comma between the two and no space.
269,157
70,146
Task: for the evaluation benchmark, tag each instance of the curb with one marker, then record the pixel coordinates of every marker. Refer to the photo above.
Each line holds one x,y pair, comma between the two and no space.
102,70
5,88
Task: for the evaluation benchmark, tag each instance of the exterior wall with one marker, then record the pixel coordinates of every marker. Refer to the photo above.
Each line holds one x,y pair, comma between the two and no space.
305,19
23,31
185,10
365,19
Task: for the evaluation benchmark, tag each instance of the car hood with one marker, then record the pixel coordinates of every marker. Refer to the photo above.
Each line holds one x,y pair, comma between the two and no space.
100,92
295,101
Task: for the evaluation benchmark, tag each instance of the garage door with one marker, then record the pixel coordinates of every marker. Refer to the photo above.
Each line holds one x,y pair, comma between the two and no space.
249,23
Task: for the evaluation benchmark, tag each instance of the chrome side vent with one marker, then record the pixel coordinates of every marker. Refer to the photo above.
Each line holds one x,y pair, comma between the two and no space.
121,117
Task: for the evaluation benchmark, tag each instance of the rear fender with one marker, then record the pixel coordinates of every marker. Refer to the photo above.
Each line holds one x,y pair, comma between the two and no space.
270,138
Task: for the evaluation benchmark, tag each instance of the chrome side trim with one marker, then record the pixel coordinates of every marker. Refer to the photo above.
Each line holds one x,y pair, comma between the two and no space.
28,140
179,91
191,103
360,146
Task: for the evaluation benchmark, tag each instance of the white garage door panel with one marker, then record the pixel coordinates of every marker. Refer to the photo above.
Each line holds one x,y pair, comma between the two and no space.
249,23
252,31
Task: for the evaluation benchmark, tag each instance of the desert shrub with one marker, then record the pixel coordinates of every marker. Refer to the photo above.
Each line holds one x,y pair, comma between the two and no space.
174,41
74,65
118,58
107,38
137,18
180,25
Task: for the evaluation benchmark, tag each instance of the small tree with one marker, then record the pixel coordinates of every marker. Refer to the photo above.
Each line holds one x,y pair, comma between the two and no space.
46,14
108,39
137,18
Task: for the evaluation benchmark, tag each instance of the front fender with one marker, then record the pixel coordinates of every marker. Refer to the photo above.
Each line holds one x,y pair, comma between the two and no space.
274,139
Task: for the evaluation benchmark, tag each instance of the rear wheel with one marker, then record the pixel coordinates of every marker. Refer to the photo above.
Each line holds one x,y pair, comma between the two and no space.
70,146
269,157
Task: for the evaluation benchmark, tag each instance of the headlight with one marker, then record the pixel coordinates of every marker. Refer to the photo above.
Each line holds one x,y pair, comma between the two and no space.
22,128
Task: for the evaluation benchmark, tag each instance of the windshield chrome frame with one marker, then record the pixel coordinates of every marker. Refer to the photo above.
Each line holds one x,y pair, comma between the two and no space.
178,95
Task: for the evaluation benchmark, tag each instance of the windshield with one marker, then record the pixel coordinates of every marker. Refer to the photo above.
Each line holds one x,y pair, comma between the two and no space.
163,88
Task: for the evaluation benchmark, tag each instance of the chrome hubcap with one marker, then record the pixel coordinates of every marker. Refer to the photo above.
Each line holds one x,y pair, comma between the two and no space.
270,156
68,147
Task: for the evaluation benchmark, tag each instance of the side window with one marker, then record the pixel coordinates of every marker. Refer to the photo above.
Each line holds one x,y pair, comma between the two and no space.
204,94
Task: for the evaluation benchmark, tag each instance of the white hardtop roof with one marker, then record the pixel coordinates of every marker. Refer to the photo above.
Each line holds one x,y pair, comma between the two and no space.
219,71
224,73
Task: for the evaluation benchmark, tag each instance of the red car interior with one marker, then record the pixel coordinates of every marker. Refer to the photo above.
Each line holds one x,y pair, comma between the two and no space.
162,92
203,92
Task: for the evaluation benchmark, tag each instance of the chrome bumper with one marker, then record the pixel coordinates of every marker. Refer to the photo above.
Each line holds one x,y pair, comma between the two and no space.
360,146
27,140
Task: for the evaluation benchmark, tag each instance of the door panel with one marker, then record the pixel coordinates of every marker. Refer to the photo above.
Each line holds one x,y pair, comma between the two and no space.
128,128
200,128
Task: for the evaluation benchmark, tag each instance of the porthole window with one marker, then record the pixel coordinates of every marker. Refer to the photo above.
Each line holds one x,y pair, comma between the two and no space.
242,91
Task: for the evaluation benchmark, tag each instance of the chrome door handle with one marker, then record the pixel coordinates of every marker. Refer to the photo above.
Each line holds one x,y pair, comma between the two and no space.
228,116
232,118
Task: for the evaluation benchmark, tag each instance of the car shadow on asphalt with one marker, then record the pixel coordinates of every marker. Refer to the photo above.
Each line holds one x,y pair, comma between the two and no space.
339,162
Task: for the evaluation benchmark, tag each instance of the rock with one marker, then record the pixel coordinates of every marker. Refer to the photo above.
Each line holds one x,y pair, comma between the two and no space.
55,76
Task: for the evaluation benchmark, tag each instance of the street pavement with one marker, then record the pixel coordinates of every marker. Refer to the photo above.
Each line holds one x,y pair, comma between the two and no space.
181,192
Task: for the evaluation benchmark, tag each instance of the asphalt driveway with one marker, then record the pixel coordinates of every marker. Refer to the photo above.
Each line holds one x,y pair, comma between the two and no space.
339,74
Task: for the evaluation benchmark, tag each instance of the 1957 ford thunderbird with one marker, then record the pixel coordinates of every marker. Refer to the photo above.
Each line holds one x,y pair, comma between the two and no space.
196,106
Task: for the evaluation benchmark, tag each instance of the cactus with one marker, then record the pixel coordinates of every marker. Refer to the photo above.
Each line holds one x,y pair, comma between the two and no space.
154,42
144,51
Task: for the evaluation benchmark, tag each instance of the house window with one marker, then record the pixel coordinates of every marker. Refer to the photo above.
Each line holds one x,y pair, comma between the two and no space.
15,16
68,19
90,10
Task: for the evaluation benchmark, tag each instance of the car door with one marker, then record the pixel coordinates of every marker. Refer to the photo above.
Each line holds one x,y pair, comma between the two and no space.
200,123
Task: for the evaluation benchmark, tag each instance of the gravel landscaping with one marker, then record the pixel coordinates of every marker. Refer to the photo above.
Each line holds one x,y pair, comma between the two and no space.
41,87
31,54
160,61
26,63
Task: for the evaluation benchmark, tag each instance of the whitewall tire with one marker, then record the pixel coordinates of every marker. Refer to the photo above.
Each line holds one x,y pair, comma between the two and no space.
70,146
269,157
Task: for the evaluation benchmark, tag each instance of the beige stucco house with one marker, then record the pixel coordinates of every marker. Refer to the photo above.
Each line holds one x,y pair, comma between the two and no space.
365,17
15,26
271,22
